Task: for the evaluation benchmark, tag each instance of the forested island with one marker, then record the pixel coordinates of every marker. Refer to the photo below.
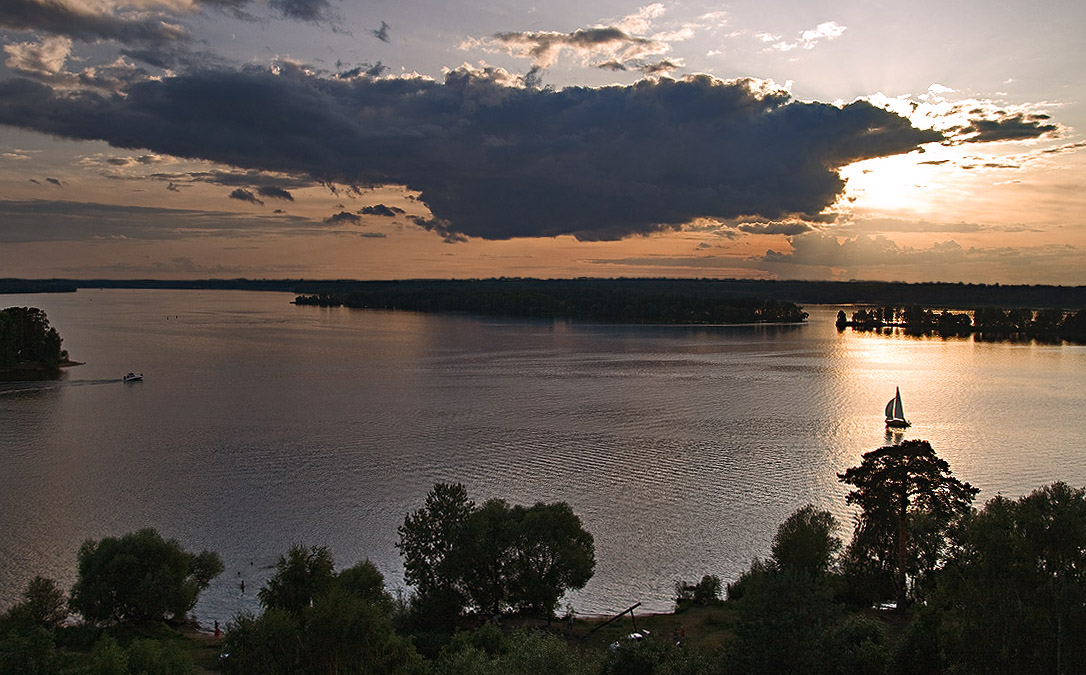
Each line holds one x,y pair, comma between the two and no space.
988,323
28,344
928,584
641,301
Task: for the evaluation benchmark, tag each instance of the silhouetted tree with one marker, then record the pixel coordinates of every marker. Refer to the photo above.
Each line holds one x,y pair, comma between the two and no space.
897,486
140,577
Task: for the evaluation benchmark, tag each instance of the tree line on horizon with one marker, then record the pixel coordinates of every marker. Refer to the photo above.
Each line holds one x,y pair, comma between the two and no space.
999,589
986,322
644,301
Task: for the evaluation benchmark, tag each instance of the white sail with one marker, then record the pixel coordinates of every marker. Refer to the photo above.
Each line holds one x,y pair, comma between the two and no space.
895,413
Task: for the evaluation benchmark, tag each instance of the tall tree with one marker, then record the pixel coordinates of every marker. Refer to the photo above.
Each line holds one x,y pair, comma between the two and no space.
140,577
896,485
428,536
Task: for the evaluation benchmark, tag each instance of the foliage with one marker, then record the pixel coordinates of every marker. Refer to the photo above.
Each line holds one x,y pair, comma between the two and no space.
28,650
26,338
428,537
908,500
43,605
317,621
805,542
140,577
493,557
705,592
1012,598
523,652
300,576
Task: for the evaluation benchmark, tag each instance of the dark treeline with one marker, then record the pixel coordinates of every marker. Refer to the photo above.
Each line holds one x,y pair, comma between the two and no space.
876,293
987,322
28,342
651,301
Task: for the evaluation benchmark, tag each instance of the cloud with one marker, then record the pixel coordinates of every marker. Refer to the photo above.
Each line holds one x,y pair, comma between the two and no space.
303,10
344,217
54,181
60,220
381,33
545,47
373,235
381,210
865,257
79,23
41,58
275,193
788,228
808,39
495,161
1014,127
243,195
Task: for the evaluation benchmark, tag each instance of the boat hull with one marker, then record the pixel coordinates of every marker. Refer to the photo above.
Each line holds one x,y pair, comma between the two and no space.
898,424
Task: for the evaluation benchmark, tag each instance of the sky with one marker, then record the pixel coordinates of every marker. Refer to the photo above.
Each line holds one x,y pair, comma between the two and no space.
337,139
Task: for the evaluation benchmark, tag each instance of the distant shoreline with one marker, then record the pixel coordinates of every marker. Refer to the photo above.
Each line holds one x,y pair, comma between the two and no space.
875,293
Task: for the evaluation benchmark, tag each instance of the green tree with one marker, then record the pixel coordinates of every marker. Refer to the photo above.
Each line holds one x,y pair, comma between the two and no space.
140,577
899,485
805,542
300,576
552,554
270,644
495,556
1012,597
429,535
43,605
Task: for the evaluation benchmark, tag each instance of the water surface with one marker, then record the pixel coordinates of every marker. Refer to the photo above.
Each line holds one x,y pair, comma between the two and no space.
261,424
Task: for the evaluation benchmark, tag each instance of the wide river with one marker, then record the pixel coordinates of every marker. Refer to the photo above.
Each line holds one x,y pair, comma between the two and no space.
261,424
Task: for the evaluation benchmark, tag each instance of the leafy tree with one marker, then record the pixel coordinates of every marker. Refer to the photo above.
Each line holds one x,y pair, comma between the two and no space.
300,576
1012,598
805,542
428,536
318,622
552,554
43,605
140,577
495,556
28,650
270,644
896,486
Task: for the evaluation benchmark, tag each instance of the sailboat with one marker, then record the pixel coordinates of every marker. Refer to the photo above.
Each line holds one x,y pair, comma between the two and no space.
895,415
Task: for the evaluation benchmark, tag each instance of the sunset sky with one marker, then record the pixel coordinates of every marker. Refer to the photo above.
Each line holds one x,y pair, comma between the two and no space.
923,141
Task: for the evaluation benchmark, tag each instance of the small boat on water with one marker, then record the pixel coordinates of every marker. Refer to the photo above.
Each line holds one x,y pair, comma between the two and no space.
895,415
132,377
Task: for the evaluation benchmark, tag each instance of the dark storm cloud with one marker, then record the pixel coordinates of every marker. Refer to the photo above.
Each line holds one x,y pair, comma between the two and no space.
381,210
54,181
1017,127
59,19
243,195
495,161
